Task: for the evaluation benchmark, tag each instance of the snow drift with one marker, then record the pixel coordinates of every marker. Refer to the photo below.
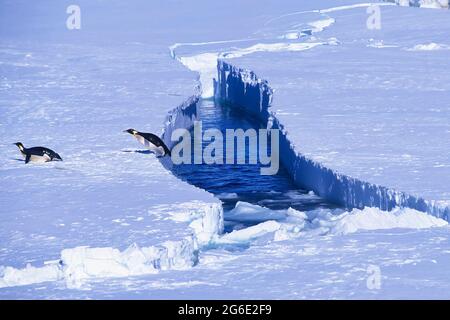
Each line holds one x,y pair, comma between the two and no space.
325,222
76,265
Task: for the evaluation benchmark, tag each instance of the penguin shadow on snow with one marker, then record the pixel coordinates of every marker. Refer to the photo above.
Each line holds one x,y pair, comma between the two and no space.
145,151
39,164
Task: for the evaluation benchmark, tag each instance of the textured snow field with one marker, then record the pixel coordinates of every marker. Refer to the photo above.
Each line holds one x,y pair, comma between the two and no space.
319,254
107,192
75,91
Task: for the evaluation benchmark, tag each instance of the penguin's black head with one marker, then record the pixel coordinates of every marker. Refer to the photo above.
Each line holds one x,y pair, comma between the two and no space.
19,145
131,131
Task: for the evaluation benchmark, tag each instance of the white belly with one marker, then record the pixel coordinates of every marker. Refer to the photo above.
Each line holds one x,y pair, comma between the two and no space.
39,159
159,151
142,140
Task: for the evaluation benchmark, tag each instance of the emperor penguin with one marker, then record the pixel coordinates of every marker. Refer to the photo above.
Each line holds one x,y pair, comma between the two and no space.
37,154
151,141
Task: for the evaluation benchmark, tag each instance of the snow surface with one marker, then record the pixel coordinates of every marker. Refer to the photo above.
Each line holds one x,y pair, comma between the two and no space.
205,63
76,92
111,222
302,238
78,264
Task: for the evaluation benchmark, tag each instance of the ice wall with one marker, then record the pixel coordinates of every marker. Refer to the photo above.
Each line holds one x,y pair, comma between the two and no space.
243,89
181,117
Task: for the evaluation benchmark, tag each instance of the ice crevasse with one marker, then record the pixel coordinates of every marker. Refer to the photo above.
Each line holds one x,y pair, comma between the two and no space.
242,88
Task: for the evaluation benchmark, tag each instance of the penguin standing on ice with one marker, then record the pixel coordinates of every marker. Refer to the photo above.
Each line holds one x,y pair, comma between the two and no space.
37,154
151,141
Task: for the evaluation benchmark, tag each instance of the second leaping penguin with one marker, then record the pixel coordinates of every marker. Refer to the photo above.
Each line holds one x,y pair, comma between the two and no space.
151,141
37,154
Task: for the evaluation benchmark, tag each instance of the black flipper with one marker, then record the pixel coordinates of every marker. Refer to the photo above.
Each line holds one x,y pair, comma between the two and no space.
27,158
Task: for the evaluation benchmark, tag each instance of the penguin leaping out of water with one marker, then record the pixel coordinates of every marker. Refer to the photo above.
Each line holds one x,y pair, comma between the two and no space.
151,141
37,154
